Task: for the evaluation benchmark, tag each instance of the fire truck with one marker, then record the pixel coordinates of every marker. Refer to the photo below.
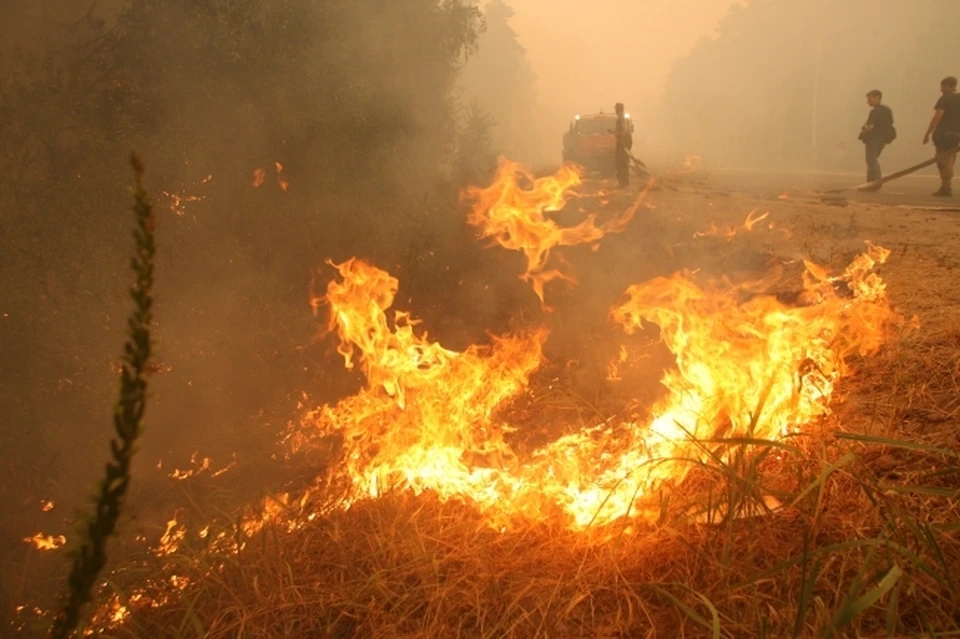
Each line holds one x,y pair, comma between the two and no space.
590,141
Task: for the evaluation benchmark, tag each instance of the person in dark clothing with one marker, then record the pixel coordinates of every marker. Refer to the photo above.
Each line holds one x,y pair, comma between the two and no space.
624,143
877,133
945,130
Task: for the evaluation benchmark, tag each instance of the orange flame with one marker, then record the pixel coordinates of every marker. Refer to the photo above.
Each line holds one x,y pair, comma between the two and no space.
204,465
517,218
260,176
172,537
613,368
190,472
281,180
426,420
758,365
178,201
46,542
424,406
729,232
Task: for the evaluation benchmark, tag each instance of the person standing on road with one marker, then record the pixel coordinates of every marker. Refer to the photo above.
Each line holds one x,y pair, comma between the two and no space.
624,143
945,129
877,133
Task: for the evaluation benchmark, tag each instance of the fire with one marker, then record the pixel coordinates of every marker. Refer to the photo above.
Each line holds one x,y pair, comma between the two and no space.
729,232
190,472
613,369
427,419
198,468
758,368
281,181
46,542
517,218
260,176
178,201
172,537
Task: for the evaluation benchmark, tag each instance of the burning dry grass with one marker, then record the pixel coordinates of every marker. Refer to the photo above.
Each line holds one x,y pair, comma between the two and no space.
866,541
862,539
867,537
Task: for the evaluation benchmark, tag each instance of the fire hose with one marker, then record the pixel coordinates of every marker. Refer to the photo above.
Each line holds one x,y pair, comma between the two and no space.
894,176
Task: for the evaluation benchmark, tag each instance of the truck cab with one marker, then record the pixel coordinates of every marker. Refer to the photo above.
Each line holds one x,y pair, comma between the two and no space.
590,141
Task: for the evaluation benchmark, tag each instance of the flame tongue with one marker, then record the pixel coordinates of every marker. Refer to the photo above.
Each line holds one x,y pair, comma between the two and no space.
425,420
758,365
516,218
425,416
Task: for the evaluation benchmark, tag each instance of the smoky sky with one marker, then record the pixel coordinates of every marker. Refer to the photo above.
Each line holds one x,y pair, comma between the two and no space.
773,84
589,55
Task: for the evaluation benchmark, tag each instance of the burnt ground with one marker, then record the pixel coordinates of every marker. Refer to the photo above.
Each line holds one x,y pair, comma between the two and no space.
908,391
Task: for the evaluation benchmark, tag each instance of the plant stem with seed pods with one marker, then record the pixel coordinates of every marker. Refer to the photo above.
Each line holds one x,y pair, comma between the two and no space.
90,558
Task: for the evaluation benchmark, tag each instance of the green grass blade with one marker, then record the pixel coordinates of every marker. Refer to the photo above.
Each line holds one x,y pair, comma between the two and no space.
853,609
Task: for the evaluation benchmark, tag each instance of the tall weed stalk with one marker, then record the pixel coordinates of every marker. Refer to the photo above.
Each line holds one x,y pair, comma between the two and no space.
91,556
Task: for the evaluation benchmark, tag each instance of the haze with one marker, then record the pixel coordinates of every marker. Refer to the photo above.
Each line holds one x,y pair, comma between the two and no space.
588,56
280,134
772,84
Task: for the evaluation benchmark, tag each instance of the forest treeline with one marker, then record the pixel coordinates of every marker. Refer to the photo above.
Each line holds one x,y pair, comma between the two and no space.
782,84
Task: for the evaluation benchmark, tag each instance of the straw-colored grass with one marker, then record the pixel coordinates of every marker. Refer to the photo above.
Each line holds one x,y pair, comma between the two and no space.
867,543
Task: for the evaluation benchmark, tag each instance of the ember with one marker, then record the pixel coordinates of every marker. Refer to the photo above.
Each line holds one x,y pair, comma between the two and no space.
46,542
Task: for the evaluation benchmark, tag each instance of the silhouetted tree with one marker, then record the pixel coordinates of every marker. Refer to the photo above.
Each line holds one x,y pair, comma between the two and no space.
501,81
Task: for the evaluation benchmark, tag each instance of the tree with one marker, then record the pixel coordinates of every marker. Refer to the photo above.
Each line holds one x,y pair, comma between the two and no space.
783,83
501,81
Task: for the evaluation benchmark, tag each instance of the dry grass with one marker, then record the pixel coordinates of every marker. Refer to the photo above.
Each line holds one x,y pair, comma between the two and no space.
867,543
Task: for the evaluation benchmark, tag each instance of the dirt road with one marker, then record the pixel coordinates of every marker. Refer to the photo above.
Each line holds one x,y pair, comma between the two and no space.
912,190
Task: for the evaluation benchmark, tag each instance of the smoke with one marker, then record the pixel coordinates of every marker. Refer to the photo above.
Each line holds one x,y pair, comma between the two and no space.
587,56
771,84
355,101
786,82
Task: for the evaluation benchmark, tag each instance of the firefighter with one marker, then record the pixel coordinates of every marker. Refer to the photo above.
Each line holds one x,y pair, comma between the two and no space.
624,144
945,130
877,133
